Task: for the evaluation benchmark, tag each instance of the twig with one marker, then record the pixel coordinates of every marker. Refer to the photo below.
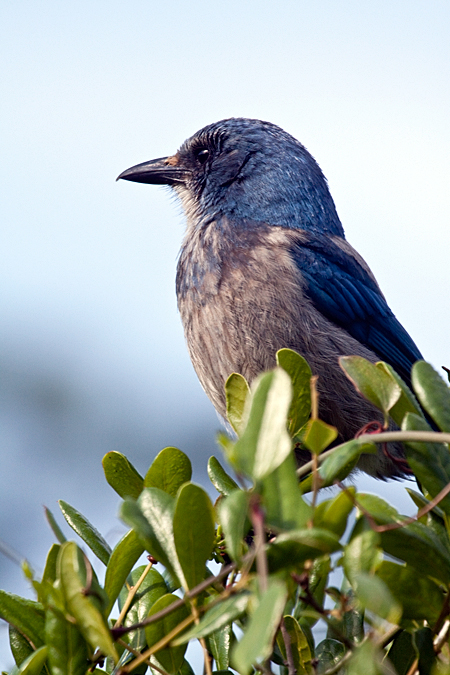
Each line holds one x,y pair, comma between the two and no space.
159,645
407,521
288,645
384,437
132,592
224,572
413,670
257,518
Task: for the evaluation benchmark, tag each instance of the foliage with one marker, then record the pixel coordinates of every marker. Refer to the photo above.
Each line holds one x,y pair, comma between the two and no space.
271,542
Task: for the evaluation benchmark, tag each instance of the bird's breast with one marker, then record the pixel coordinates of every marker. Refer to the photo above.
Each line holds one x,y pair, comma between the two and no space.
240,301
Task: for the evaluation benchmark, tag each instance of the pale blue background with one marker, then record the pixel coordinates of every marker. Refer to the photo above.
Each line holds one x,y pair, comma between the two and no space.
92,355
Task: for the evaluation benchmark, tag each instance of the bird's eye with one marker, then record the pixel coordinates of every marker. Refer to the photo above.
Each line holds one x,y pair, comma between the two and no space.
202,155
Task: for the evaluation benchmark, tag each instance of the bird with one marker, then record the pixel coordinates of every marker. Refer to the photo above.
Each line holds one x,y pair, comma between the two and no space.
264,265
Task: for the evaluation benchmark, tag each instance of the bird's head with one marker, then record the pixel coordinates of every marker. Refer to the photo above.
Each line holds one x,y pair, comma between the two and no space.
245,169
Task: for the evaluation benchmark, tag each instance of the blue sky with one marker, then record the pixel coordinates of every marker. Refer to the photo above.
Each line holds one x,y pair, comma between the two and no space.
91,346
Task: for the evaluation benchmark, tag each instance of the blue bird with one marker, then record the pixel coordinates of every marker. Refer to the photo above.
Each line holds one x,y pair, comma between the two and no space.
264,264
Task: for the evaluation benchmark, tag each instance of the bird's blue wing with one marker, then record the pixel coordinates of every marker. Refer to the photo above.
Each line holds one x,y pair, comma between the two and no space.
343,291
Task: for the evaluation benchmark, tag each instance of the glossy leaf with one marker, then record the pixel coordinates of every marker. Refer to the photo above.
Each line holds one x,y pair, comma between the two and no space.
169,470
295,547
82,606
407,402
300,373
219,645
256,643
170,658
20,646
416,544
124,556
54,526
67,648
373,383
318,435
429,461
233,515
299,646
265,443
333,514
152,518
122,476
81,525
34,663
217,617
219,477
343,460
328,653
26,615
283,503
236,394
420,597
194,532
433,393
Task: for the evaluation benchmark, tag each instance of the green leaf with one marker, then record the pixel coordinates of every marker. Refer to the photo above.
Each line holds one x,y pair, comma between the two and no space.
300,373
328,654
415,544
434,519
293,548
34,663
124,556
81,525
256,643
333,514
151,589
432,393
367,658
318,436
429,461
233,512
219,478
362,553
402,653
214,619
170,658
374,384
420,597
26,615
374,595
67,649
423,641
300,650
194,532
169,470
265,443
407,401
219,644
283,503
54,526
343,460
236,394
152,518
83,607
318,579
20,646
122,476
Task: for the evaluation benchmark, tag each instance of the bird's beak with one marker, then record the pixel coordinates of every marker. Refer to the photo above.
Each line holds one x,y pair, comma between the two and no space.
162,171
